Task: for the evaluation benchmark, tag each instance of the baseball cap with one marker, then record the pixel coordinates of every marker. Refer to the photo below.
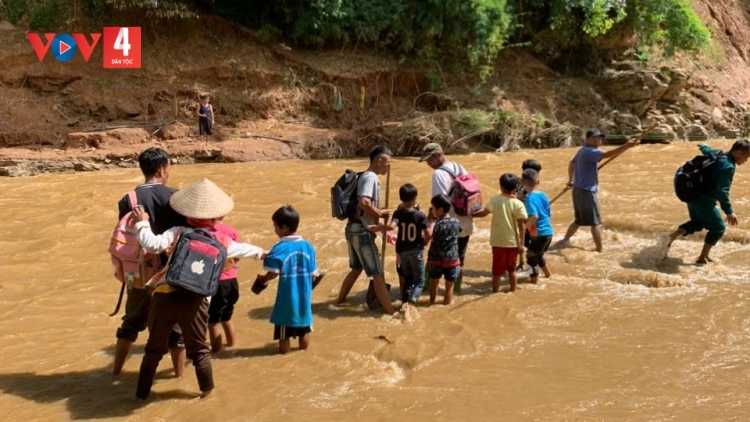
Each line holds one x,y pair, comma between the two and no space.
593,133
429,150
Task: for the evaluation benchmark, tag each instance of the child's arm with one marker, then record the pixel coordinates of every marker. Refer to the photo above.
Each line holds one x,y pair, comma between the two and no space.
244,250
148,240
521,233
483,213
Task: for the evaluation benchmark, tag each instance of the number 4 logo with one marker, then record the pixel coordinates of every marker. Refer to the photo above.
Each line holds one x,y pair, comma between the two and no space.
122,47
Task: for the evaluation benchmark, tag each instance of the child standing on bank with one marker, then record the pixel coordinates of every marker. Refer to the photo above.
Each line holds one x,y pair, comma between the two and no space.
222,303
413,233
205,118
443,259
292,260
539,225
507,231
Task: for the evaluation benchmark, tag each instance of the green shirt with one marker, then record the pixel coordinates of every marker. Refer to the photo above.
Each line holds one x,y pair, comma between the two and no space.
721,178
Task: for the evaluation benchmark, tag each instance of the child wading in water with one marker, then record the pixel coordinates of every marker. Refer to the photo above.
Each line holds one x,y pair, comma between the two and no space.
205,118
222,303
203,204
443,257
507,231
539,225
292,260
413,233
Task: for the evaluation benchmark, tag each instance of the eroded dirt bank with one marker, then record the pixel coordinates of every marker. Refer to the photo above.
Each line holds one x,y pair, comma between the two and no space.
273,102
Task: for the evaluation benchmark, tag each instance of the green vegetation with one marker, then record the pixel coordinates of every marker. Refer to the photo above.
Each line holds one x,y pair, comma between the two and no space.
447,31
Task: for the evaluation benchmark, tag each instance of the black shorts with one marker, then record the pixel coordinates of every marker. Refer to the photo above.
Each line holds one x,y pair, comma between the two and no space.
281,332
586,208
222,303
204,126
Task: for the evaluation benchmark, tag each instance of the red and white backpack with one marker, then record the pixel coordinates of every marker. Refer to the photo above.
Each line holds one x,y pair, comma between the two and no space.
133,265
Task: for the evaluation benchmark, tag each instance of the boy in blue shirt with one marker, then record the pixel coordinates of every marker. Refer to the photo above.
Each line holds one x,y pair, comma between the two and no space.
538,224
292,260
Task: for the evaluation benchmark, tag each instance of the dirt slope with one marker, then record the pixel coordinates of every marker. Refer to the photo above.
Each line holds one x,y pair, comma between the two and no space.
268,89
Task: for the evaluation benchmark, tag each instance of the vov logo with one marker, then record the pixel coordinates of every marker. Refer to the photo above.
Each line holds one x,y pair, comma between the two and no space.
121,44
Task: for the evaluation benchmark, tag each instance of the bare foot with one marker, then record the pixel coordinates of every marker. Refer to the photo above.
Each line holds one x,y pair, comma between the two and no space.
546,271
533,280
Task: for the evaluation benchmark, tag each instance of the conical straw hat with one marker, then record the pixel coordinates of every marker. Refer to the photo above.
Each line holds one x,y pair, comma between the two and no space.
202,199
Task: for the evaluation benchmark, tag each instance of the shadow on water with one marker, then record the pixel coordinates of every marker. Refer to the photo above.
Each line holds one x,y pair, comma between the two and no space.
92,394
270,349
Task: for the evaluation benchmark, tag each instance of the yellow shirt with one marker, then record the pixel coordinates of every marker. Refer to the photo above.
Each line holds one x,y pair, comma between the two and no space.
505,214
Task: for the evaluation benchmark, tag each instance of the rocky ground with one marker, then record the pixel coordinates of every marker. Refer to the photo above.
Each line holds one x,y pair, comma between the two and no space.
273,102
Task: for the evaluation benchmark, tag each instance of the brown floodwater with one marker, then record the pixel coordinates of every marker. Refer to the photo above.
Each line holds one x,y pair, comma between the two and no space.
619,335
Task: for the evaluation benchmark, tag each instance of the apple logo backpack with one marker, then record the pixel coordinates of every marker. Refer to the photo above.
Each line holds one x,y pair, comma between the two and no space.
197,261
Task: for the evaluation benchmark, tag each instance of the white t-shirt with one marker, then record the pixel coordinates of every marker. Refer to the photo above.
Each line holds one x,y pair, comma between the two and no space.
441,183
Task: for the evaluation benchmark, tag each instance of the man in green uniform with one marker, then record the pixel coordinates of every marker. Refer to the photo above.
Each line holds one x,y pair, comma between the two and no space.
703,212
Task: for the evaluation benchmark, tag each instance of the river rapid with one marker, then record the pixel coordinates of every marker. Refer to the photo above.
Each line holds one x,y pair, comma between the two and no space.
623,335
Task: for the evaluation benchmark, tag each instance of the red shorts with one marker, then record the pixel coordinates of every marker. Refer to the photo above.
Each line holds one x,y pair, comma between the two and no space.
504,260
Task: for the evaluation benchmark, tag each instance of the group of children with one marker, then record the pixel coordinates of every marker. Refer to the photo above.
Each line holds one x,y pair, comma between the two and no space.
520,223
293,261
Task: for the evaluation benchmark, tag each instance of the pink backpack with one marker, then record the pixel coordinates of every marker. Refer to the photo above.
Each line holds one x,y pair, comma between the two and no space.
133,265
465,194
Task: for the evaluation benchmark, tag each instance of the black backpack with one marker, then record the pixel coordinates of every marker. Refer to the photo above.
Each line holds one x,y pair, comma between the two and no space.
691,179
344,195
197,262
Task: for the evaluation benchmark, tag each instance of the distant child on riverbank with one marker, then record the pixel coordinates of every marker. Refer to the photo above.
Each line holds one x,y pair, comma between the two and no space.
538,223
292,260
443,259
205,118
507,231
222,303
413,233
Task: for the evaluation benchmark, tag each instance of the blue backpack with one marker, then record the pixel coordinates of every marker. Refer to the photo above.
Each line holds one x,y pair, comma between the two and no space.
197,262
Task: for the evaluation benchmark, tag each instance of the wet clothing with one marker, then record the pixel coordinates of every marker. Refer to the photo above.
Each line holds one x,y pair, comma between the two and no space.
281,332
703,212
504,260
412,269
535,253
190,312
586,208
222,303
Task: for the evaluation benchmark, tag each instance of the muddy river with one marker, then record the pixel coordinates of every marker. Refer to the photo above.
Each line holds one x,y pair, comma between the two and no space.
621,335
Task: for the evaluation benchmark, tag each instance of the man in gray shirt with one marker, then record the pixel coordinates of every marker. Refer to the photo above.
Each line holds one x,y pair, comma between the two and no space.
363,252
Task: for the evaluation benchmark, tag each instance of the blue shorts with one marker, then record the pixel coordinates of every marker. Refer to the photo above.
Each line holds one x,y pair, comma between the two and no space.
450,273
363,252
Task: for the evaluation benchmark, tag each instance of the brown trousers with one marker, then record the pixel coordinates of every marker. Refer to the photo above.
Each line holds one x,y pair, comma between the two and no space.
191,314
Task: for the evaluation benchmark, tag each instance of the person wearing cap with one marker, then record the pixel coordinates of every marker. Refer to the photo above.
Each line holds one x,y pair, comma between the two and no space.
203,204
442,181
363,252
703,214
583,178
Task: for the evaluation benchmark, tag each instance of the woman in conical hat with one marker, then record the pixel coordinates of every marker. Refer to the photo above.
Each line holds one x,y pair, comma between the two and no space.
204,204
